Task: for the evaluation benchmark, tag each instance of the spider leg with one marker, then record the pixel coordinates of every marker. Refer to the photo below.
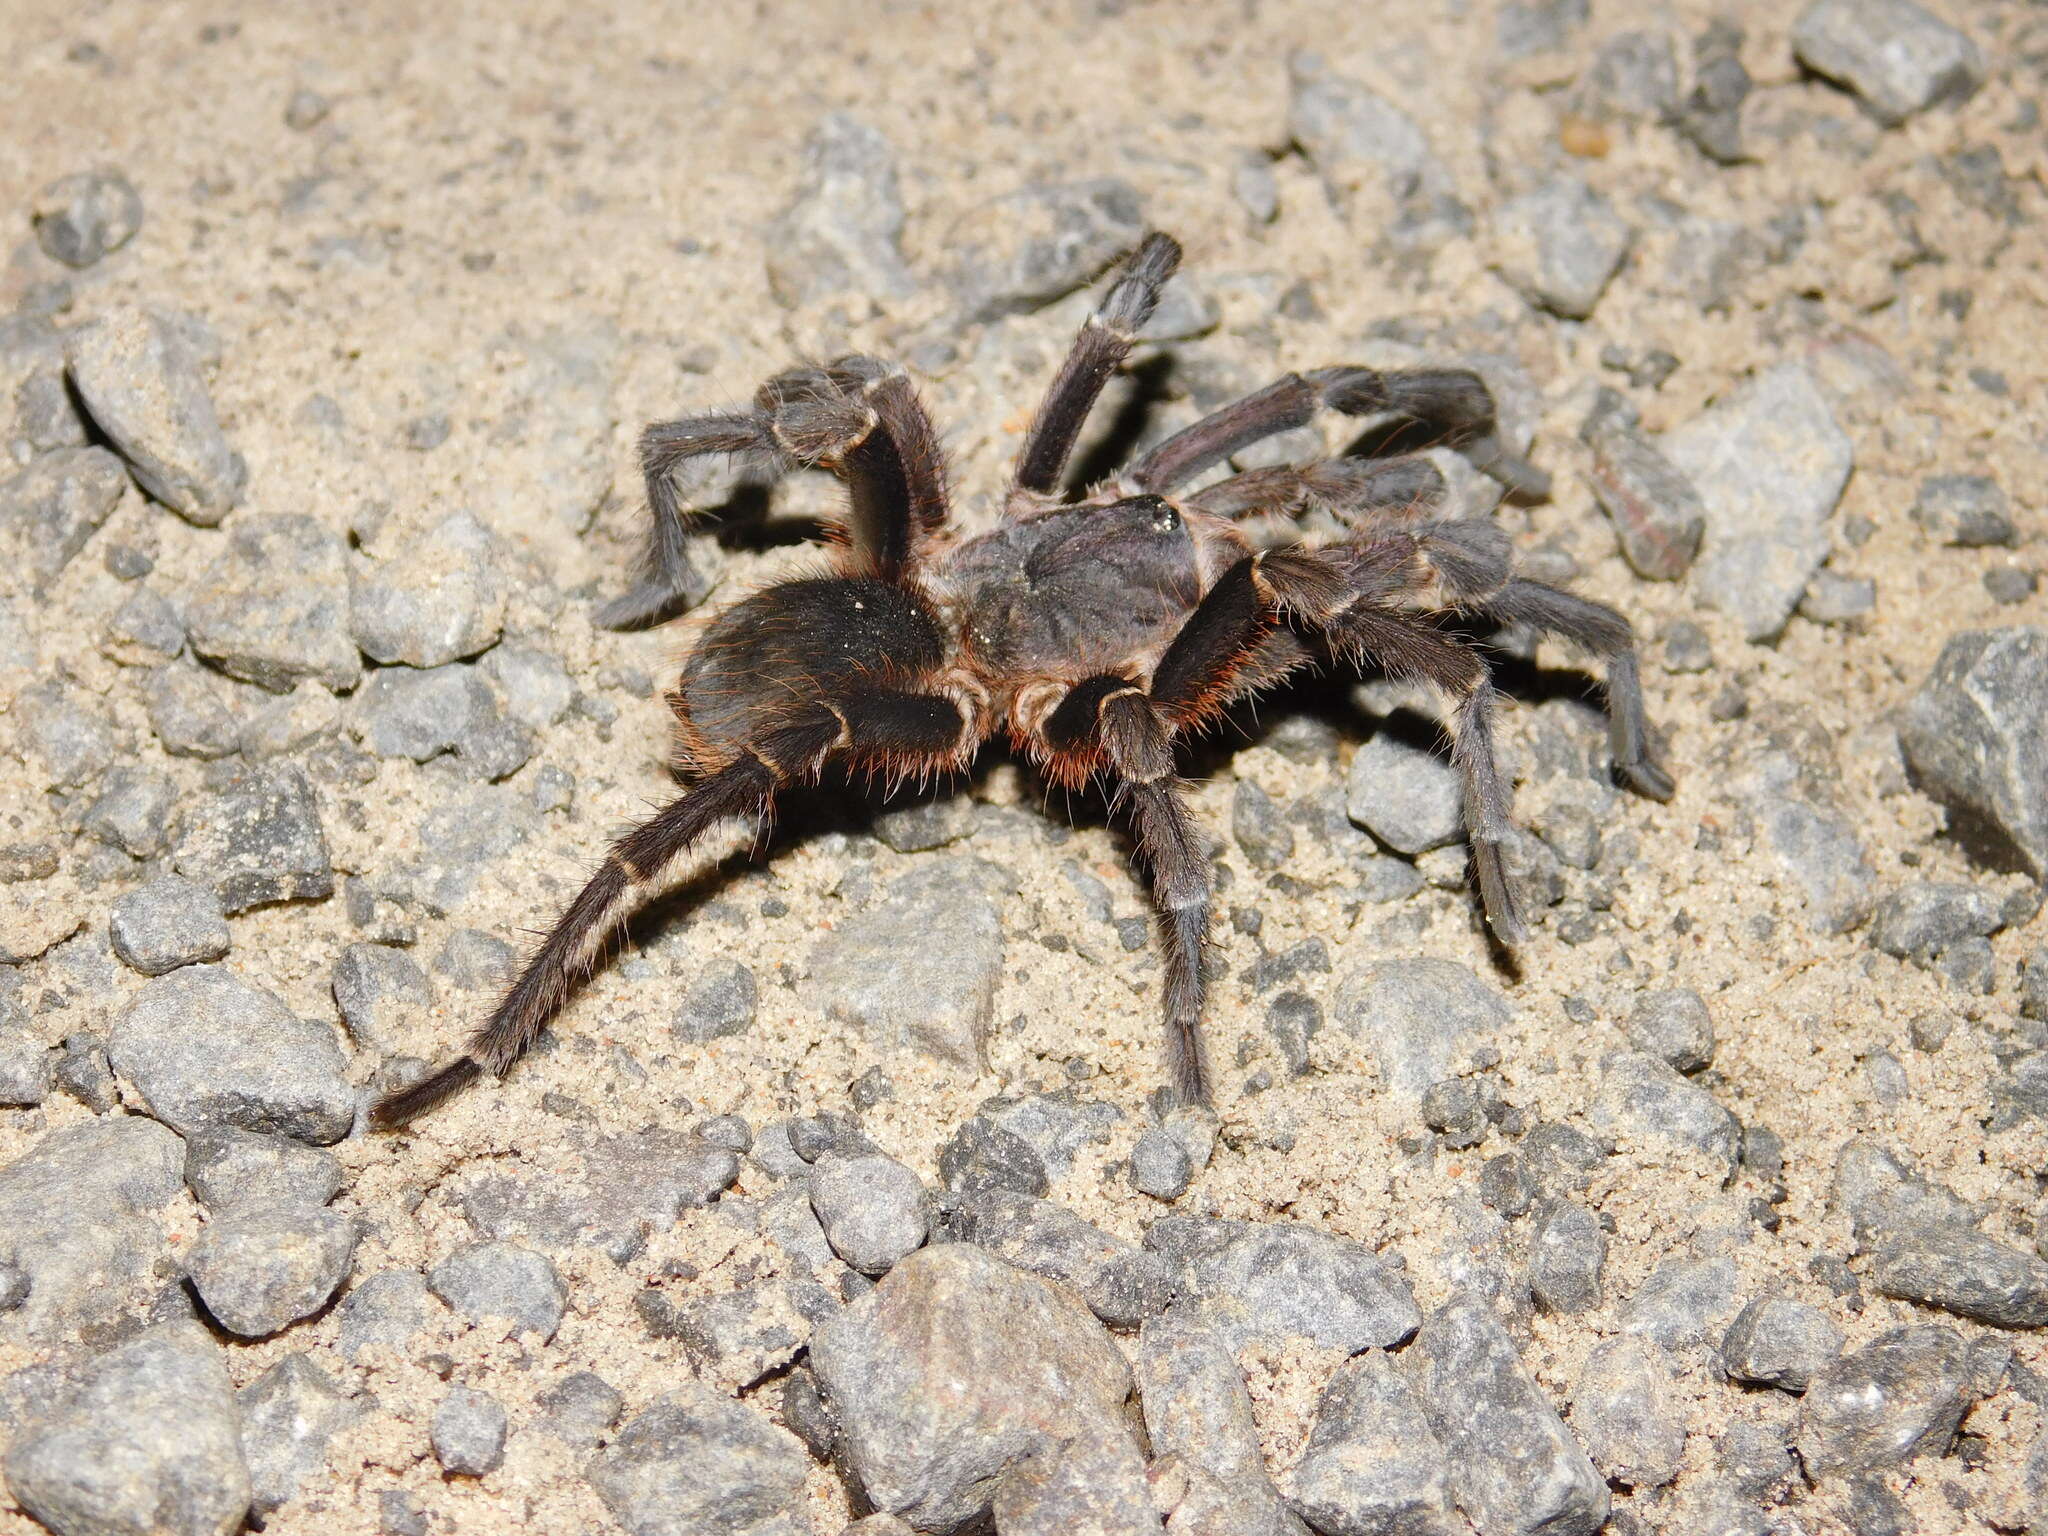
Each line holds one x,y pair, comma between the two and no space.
882,729
1352,489
1606,634
1456,401
1108,721
1104,342
857,417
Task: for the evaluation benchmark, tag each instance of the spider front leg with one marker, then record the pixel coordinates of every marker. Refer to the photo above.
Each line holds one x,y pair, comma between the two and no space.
857,417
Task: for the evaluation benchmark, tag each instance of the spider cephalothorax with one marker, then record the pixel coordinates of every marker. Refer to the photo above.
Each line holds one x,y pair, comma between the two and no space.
1091,631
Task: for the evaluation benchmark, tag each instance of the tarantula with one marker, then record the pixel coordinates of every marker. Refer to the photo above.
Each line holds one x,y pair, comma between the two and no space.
1092,631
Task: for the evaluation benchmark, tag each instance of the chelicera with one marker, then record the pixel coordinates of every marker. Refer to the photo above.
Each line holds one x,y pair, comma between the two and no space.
1092,631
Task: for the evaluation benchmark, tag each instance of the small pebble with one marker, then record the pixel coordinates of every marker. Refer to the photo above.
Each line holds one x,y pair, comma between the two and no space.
1898,58
168,923
469,1433
1567,1256
873,1209
720,1002
80,219
1160,1165
1673,1026
503,1286
1780,1343
260,1268
289,1414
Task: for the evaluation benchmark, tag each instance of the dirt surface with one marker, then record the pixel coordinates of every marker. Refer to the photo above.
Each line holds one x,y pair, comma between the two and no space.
594,187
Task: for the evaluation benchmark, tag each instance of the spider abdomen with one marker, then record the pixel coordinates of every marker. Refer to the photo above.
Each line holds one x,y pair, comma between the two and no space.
788,645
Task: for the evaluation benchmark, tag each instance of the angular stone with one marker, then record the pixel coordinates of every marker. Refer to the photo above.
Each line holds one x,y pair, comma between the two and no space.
139,377
1423,1017
1815,844
133,811
1020,252
228,1169
1964,1272
191,712
388,1309
1883,1404
504,1285
1083,1488
738,1338
1976,738
204,1049
696,1463
1645,1099
71,739
580,1408
258,839
873,1209
1673,1025
469,1433
289,1414
1780,1343
1769,463
260,1268
1897,57
273,607
50,509
954,1367
1560,244
1627,1408
379,990
148,1443
437,600
1372,1467
1883,1197
1567,1253
721,1002
1966,510
1122,1285
1197,1409
81,219
78,1220
920,967
1924,917
419,715
1515,1468
1285,1281
168,923
844,231
982,1157
1406,796
1160,1165
1656,512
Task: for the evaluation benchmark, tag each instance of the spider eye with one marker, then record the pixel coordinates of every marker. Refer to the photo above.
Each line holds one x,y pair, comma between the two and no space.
1164,518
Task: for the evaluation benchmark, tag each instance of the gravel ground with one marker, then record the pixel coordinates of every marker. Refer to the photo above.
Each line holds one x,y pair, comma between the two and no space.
843,1194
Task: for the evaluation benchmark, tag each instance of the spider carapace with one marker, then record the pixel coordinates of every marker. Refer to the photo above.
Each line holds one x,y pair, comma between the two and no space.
1091,630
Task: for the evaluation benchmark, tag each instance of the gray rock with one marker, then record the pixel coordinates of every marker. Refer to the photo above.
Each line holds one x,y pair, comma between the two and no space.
844,231
476,961
206,1050
138,375
1372,1467
422,714
50,509
1681,1302
982,1156
80,219
388,1309
1712,114
1055,1125
1567,1254
1197,1410
1628,1409
722,1001
1633,78
1539,26
190,711
934,1413
630,1186
1160,1165
1884,1404
146,629
1968,510
1083,1488
1423,1017
872,1209
738,1338
1963,1272
1643,1098
1514,1466
502,1285
1816,844
469,1432
1769,463
1369,153
147,1443
1656,512
272,609
1883,1197
168,923
437,600
261,1267
1285,1281
229,1169
696,1463
78,1220
72,740
1976,738
1832,598
1922,918
920,967
1260,829
1404,795
26,1066
133,811
378,989
1560,244
1673,1025
1122,1285
1780,1343
1018,253
533,685
2034,985
257,839
289,1414
1898,58
580,1408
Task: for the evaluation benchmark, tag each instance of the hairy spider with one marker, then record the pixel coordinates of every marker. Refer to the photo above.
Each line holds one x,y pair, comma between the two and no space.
1093,631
